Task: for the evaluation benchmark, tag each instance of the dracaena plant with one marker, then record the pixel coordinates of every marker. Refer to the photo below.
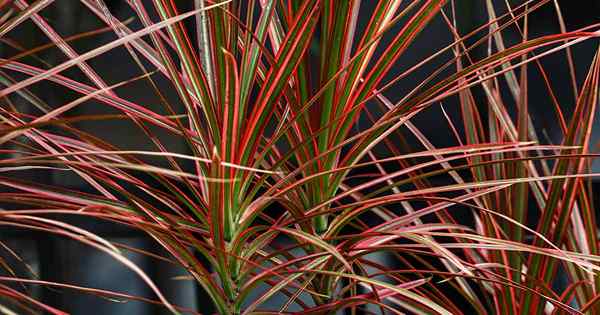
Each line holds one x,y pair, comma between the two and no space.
296,178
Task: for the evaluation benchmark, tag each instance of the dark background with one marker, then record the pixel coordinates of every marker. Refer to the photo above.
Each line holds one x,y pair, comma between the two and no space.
70,262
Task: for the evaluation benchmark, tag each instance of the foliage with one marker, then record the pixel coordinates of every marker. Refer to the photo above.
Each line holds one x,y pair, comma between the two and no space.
297,178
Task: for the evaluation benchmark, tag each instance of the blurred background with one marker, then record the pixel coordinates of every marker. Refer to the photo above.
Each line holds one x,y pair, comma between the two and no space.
59,260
